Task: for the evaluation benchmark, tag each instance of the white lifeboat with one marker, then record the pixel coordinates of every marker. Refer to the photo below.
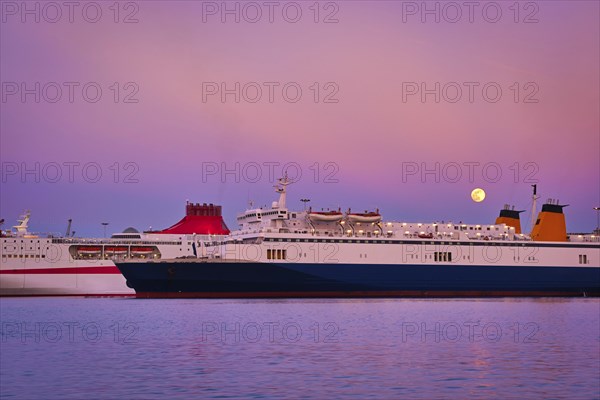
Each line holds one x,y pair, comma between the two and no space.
325,216
89,250
142,250
116,250
366,217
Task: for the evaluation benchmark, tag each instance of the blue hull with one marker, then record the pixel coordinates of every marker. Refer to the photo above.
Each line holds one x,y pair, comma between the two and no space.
248,280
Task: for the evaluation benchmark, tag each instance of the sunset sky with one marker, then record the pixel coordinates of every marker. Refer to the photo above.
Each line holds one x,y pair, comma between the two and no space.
359,133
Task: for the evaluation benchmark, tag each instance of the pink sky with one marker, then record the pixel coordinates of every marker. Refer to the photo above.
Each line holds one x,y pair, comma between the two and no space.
369,134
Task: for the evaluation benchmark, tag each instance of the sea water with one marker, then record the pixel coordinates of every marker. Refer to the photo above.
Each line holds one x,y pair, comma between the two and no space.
110,348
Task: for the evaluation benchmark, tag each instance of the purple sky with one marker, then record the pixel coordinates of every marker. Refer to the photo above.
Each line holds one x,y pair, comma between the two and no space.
365,145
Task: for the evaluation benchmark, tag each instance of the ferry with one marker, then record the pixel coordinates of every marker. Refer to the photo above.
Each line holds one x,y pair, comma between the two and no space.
44,265
281,253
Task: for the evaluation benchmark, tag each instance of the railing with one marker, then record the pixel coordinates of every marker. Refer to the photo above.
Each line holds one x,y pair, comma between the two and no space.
113,242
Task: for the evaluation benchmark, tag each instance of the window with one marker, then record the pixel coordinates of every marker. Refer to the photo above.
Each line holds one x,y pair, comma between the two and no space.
444,256
276,254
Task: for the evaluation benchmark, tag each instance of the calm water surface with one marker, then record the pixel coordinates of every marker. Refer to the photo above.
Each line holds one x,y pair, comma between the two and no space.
75,348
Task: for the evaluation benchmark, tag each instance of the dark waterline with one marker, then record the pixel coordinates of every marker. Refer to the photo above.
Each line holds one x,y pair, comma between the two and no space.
74,348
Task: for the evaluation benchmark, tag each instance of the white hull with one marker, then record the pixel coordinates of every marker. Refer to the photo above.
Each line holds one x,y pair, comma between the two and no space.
52,266
290,248
64,285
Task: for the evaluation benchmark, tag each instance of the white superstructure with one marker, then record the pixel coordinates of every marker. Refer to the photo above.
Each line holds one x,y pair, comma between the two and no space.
278,235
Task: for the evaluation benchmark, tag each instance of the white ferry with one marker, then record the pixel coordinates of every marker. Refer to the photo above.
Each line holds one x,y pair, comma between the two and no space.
33,264
277,252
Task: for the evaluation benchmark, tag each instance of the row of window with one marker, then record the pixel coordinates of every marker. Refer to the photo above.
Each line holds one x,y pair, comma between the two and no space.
276,254
442,256
439,257
507,243
15,241
29,248
24,256
464,228
273,213
382,242
253,215
117,242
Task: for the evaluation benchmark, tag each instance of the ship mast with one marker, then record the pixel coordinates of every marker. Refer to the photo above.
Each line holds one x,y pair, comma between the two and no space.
68,233
281,189
21,228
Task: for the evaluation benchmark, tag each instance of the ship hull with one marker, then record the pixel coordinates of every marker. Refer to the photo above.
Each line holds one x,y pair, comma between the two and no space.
291,280
105,280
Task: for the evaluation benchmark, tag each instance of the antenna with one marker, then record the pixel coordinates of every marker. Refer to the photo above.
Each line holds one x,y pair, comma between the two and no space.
305,201
68,234
533,206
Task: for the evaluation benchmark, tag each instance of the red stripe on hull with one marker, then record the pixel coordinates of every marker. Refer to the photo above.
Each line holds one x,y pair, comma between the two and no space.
67,270
387,294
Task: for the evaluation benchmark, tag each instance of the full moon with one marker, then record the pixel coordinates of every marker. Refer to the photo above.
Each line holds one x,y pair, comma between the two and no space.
478,195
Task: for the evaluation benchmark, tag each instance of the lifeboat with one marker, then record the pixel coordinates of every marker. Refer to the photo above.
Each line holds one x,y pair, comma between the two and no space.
142,251
89,250
325,216
426,235
367,217
115,250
